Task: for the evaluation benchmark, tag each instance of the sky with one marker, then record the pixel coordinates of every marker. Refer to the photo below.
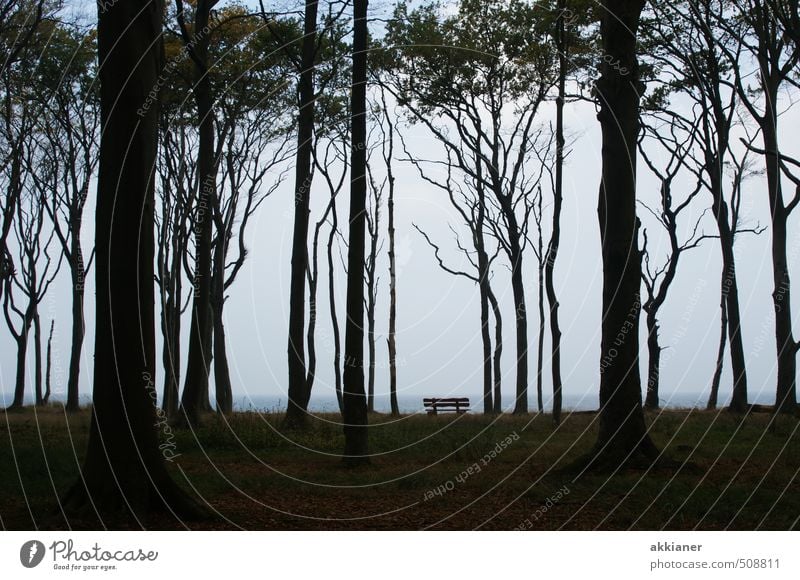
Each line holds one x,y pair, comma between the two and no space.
438,326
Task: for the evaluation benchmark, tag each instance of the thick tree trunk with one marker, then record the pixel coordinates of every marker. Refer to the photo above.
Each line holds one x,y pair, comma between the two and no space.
651,400
354,398
195,391
123,473
713,397
78,332
622,430
296,409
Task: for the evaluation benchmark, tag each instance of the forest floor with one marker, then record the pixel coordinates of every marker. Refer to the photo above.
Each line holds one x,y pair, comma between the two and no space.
444,472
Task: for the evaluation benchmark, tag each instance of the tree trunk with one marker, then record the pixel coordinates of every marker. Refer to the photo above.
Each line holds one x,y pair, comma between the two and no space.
37,347
195,390
540,301
786,390
296,409
723,336
19,381
354,397
622,431
555,236
498,352
521,315
123,473
371,350
78,332
47,390
171,351
730,293
337,343
222,373
653,361
392,340
483,286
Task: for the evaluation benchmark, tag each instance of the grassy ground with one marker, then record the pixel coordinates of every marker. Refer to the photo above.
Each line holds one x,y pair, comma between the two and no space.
444,472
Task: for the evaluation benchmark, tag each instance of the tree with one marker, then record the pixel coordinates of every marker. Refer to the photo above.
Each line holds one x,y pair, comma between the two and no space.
658,278
35,272
69,129
354,400
295,411
622,431
375,195
196,39
694,61
124,473
481,100
759,31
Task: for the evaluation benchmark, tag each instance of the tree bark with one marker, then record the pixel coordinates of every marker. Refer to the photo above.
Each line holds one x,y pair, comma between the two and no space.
786,346
622,430
498,352
78,330
48,358
723,336
222,373
124,473
392,339
555,236
653,361
37,364
337,342
296,408
354,398
195,390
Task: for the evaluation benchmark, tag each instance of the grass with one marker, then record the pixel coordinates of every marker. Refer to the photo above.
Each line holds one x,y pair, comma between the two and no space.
445,472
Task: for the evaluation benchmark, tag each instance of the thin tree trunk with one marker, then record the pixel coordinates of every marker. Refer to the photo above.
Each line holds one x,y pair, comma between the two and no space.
37,347
337,346
222,373
354,397
392,340
78,331
786,347
622,430
47,390
498,352
296,411
730,292
540,301
555,236
521,315
653,361
723,337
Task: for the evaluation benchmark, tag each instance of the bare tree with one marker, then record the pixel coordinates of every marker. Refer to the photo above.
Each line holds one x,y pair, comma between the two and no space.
36,270
69,126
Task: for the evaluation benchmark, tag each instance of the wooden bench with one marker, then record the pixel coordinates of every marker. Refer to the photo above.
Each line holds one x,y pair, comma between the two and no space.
457,404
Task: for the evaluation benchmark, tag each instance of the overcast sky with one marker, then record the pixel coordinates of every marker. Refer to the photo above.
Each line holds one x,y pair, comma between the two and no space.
439,347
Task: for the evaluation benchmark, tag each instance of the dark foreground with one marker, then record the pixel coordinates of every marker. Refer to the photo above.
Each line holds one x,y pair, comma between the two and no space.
443,472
